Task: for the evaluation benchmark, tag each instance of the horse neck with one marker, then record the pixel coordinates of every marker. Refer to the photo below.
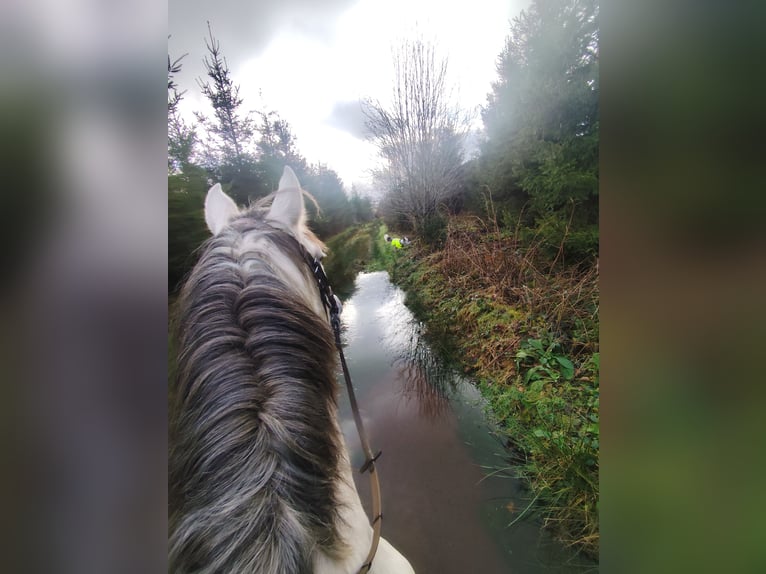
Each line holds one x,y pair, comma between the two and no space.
255,476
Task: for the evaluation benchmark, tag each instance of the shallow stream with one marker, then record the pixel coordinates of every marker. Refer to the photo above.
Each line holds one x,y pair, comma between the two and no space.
448,493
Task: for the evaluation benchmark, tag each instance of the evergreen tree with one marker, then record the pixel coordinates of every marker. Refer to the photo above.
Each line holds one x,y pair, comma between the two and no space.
181,137
277,148
542,120
334,212
361,206
228,149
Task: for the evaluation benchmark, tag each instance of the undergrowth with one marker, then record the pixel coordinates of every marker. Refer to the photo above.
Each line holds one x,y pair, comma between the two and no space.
347,253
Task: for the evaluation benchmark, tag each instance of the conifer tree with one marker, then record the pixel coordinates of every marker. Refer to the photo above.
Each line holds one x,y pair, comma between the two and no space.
542,124
181,136
228,151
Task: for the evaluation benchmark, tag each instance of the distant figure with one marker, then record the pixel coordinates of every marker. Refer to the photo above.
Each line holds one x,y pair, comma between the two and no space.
387,237
397,243
406,240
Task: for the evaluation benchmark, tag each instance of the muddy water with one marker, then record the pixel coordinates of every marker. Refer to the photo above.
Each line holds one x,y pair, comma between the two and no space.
445,504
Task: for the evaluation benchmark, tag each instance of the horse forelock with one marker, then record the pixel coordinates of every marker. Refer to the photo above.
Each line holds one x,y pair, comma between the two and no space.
255,445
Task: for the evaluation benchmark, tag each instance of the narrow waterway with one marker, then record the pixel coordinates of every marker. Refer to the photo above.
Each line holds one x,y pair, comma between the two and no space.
448,494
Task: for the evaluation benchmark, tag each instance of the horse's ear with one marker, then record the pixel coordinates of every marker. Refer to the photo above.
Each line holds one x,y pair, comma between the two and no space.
219,209
287,207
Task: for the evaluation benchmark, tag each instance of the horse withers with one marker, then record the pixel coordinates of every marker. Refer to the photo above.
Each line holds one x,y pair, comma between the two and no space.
259,475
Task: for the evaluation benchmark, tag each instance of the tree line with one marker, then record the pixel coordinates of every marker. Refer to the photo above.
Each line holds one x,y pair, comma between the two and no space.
536,172
246,152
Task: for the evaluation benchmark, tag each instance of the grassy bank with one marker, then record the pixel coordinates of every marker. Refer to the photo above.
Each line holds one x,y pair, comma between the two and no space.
358,248
527,330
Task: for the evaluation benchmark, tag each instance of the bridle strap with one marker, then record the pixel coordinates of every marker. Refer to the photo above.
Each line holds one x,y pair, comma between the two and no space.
331,303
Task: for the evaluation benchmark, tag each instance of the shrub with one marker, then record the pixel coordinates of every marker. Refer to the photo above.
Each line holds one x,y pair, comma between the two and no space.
433,230
186,232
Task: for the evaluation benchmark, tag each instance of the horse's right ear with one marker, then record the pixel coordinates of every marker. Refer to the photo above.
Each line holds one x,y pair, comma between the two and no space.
287,206
219,209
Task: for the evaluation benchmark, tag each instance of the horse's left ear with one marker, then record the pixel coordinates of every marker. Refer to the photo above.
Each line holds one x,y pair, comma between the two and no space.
219,209
287,207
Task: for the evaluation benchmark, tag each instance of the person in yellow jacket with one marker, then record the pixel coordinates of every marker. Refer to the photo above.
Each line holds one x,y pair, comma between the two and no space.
396,242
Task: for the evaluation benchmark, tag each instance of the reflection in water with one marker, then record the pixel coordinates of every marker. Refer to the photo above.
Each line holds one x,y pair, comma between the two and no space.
444,507
425,378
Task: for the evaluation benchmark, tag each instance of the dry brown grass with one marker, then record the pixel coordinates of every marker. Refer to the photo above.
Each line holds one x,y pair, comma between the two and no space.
480,258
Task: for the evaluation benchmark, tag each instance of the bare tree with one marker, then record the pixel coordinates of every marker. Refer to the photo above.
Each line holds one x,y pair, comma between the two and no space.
419,136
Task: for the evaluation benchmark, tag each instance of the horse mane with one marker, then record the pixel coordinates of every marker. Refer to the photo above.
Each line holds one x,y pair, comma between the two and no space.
254,444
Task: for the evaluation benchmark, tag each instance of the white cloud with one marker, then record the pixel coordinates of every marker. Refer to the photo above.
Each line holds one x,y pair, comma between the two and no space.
304,74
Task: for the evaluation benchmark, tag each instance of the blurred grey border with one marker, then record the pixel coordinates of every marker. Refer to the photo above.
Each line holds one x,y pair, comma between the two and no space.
683,278
84,284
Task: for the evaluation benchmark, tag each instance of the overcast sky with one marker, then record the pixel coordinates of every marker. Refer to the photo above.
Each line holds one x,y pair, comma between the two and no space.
312,61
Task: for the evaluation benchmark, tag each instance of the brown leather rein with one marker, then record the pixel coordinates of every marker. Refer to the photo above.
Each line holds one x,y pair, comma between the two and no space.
332,305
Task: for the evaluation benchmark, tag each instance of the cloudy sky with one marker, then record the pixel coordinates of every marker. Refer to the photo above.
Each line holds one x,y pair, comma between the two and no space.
313,60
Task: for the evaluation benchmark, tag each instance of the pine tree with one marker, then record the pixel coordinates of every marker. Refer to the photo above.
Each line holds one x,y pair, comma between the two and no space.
326,187
228,149
361,206
181,137
277,148
542,122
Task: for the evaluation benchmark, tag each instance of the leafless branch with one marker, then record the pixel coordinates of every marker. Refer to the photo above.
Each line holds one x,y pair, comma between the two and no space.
419,136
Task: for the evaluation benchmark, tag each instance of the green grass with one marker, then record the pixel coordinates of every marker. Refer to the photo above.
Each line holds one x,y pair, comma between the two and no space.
551,413
358,248
383,255
348,252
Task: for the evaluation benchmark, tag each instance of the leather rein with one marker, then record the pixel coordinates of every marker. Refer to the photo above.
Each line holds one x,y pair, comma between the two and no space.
332,305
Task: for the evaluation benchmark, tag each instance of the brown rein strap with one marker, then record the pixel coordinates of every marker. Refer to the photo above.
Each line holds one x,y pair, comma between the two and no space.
368,466
331,303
